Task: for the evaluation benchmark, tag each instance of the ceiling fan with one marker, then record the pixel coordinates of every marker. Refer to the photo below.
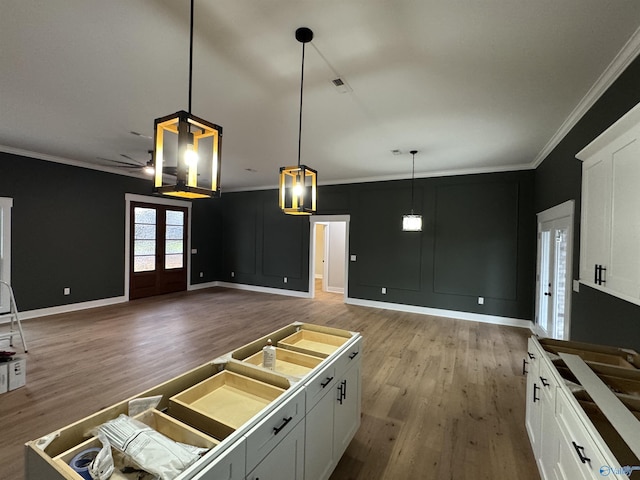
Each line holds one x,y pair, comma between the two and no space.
134,164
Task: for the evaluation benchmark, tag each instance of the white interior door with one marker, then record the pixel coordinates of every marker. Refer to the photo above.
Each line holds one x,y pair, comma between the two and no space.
553,286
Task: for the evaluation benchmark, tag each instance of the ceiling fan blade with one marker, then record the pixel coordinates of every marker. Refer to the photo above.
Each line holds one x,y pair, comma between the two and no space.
120,164
132,159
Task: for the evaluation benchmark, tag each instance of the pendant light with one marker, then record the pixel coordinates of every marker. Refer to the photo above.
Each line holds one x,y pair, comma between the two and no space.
298,184
412,222
187,148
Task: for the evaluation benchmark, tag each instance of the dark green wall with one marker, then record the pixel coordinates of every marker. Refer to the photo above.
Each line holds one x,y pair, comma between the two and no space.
68,227
478,240
596,316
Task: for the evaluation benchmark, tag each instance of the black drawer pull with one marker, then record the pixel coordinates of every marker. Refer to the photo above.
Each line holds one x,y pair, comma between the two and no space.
524,366
535,389
276,430
531,356
353,355
580,452
326,382
544,381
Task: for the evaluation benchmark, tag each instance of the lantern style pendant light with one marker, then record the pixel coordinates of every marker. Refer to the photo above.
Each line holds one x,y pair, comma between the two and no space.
412,222
188,148
298,184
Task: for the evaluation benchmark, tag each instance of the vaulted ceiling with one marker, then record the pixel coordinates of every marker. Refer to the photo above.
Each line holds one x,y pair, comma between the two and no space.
472,85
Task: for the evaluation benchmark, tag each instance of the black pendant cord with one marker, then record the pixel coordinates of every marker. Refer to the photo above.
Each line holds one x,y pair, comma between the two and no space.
413,168
190,56
300,119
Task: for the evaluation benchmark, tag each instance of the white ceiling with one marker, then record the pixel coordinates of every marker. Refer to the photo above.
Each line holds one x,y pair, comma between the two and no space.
474,85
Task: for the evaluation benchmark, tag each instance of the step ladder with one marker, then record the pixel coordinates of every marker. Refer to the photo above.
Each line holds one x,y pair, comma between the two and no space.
10,319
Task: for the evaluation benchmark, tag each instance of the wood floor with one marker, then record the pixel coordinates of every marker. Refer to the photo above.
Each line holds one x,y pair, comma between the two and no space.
442,398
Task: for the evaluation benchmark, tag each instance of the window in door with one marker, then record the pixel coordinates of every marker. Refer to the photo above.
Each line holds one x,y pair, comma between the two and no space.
158,246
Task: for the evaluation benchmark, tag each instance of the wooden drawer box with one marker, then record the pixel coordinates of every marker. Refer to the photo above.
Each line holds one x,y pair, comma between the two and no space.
158,421
592,353
312,342
223,403
288,362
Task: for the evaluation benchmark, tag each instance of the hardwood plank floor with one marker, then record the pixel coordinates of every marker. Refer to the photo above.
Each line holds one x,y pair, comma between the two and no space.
442,398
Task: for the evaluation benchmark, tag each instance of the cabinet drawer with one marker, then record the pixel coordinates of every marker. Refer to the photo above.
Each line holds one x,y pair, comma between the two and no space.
348,357
263,438
577,447
320,384
548,381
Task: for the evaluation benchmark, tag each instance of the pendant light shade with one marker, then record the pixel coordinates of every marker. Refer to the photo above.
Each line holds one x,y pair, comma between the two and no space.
412,222
298,184
187,149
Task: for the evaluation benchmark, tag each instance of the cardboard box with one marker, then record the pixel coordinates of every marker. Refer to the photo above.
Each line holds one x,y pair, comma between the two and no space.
4,374
17,373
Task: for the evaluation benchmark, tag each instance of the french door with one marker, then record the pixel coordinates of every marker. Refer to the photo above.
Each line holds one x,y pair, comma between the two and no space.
158,245
554,273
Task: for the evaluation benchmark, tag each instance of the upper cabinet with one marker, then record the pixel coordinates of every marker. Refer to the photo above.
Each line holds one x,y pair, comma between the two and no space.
610,231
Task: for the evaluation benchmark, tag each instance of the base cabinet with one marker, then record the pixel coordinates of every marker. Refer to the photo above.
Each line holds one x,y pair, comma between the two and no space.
285,461
252,420
228,466
332,421
571,436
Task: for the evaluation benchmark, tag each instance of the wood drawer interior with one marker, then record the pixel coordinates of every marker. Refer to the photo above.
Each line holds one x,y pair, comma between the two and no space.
155,419
612,438
313,343
593,353
288,362
223,403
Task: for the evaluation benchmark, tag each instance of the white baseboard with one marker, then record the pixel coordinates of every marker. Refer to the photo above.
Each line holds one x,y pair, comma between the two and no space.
335,290
474,317
200,286
71,307
255,288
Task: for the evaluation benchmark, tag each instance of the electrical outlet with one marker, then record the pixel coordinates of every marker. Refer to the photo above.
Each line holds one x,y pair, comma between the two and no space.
285,280
233,274
353,258
66,291
384,290
201,274
480,300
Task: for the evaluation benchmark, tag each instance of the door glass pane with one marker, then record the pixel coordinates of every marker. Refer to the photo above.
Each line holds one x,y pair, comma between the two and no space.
144,243
543,284
559,283
174,240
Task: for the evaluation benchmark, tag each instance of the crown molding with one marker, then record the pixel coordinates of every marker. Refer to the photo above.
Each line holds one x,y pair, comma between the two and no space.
622,60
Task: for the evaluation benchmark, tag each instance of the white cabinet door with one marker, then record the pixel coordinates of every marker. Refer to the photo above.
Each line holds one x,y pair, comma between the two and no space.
228,466
532,415
347,409
319,461
285,461
623,270
596,209
264,437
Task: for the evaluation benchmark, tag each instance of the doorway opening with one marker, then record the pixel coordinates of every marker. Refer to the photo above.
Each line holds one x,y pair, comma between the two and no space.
328,266
5,250
554,271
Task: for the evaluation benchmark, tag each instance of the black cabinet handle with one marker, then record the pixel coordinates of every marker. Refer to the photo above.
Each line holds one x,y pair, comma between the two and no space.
353,355
531,356
598,275
535,390
340,392
326,382
276,430
344,390
524,366
544,381
580,452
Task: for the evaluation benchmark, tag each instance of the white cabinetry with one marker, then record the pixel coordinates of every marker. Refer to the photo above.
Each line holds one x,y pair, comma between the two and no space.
610,232
228,466
333,413
285,461
569,442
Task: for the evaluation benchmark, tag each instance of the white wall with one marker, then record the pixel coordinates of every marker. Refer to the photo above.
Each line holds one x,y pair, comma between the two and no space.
336,256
